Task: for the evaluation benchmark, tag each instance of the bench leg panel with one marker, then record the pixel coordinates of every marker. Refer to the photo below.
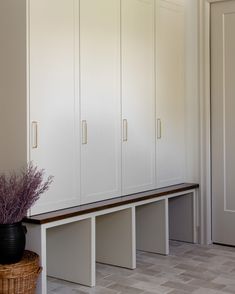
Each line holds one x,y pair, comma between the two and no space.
152,232
115,238
36,242
71,252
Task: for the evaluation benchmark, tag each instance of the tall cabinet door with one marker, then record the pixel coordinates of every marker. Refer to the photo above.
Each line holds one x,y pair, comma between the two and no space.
170,101
100,99
53,99
138,96
223,121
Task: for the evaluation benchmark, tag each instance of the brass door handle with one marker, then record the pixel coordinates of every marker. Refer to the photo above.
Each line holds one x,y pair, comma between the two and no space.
34,134
159,128
84,132
125,130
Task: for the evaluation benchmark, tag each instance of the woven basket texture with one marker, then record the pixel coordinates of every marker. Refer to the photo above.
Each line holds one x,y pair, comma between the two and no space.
20,277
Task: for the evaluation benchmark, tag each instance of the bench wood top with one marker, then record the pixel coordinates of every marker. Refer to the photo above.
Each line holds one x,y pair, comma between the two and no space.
106,204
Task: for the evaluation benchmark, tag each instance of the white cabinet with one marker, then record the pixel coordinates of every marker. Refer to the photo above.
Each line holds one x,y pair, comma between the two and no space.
53,99
138,96
170,100
93,91
100,99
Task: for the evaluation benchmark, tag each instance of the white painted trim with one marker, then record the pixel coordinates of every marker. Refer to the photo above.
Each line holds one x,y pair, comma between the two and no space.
93,252
36,241
167,234
204,100
195,224
205,115
133,250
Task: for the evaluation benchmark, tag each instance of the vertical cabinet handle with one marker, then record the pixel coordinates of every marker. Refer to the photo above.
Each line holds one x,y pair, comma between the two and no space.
84,132
159,128
125,130
34,134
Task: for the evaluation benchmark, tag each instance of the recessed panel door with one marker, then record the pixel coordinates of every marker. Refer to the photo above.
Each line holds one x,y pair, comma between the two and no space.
138,96
53,99
223,121
170,98
100,99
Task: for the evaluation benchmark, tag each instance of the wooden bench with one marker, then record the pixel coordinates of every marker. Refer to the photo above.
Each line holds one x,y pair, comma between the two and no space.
70,241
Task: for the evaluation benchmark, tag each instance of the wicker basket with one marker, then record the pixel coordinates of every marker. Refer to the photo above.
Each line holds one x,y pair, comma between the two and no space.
21,277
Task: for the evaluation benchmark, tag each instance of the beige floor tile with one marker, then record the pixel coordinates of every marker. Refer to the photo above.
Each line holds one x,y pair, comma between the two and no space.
180,286
189,268
207,284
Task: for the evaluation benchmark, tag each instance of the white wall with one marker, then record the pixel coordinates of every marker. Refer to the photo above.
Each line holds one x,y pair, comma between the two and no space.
13,118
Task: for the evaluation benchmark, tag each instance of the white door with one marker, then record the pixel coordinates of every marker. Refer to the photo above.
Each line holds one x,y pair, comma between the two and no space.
170,100
54,121
138,96
223,121
100,99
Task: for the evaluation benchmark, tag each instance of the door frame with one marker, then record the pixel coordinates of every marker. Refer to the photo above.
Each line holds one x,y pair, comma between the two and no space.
204,7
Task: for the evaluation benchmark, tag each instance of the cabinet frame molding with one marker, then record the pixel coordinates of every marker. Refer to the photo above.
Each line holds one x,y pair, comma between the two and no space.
204,7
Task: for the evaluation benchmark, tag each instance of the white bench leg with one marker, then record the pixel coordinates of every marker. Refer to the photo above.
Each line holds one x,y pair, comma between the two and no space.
152,227
115,238
71,252
36,242
195,216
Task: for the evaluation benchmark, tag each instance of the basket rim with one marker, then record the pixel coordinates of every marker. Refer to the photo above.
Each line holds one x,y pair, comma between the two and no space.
28,264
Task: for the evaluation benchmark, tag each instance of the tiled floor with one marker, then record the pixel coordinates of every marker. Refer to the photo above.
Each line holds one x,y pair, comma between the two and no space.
188,269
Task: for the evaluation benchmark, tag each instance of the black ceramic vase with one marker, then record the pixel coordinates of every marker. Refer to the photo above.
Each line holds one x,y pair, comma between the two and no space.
12,242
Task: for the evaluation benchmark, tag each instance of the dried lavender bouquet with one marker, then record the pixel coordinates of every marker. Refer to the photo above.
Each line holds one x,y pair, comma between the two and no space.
18,192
